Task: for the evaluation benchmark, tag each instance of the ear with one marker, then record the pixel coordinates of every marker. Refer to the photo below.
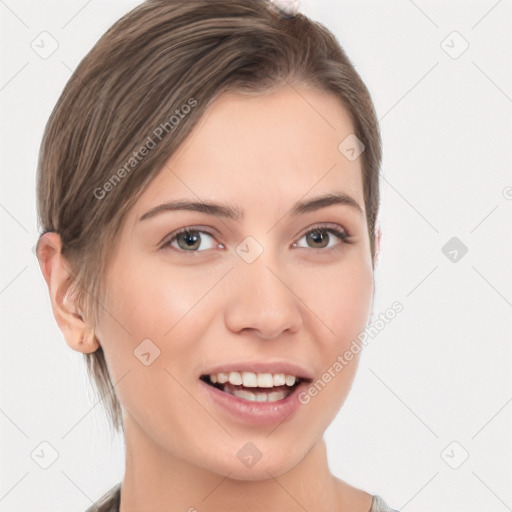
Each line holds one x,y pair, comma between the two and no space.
78,335
378,237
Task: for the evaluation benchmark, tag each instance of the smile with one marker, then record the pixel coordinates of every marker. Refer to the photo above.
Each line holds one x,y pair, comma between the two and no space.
254,387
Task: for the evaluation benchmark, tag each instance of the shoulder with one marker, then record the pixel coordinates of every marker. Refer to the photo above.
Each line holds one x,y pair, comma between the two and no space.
352,498
109,502
379,505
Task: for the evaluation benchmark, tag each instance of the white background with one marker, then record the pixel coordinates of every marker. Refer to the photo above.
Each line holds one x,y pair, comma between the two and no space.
438,373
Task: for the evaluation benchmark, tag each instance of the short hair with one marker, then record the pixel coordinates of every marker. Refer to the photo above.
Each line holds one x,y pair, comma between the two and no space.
158,68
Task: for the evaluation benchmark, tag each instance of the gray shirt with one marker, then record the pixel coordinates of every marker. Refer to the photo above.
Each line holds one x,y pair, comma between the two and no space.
109,502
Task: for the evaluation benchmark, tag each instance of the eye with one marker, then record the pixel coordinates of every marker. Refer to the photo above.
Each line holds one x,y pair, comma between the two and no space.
322,237
191,240
196,240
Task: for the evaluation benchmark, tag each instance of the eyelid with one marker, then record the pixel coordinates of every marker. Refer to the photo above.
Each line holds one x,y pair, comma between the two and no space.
328,226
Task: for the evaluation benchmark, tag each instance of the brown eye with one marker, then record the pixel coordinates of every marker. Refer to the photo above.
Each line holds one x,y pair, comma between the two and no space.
322,238
191,240
318,239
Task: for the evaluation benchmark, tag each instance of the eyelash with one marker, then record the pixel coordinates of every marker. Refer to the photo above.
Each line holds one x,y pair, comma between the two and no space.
341,234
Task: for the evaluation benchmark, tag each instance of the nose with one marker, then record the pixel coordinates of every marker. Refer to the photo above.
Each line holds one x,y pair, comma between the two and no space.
262,301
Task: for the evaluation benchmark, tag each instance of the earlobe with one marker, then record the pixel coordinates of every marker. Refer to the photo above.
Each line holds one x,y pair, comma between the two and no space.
55,269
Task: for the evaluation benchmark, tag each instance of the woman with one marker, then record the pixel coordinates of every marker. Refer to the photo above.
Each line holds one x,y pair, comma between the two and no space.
208,195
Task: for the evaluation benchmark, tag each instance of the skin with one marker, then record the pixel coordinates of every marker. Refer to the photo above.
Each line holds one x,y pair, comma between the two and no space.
299,303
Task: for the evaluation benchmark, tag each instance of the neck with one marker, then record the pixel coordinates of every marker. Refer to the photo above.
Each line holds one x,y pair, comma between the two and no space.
155,480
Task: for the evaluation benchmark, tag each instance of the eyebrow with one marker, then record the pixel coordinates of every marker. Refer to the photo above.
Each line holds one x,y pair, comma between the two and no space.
229,212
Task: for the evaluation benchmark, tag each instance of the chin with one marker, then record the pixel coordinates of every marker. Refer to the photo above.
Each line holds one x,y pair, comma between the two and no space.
249,463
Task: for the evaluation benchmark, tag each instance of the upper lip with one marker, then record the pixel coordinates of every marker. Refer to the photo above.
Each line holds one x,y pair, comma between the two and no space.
286,367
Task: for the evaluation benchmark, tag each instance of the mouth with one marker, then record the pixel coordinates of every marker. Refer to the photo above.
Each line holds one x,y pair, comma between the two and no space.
253,386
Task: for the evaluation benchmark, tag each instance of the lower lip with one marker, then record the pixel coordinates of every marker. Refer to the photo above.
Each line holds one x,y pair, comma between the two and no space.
254,413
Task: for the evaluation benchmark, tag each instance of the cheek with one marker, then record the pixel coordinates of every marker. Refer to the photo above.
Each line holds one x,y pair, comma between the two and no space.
153,301
351,302
343,305
153,315
340,296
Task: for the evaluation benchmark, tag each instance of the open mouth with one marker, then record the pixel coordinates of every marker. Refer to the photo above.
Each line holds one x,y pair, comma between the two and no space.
255,387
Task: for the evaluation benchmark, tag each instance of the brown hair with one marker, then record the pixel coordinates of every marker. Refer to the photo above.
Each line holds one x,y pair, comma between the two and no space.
156,70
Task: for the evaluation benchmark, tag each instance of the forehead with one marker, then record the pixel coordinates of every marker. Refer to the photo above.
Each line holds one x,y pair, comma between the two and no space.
274,148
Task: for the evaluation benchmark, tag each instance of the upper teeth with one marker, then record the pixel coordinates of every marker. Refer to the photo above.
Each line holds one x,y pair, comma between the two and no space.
253,380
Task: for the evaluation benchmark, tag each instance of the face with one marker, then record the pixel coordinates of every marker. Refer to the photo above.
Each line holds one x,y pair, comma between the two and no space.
257,271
